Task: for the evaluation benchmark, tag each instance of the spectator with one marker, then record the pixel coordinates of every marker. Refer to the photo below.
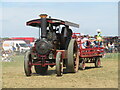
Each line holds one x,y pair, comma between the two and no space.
92,39
99,37
95,41
111,47
106,47
13,48
84,42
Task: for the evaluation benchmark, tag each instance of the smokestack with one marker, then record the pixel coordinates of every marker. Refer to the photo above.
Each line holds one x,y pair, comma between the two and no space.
43,25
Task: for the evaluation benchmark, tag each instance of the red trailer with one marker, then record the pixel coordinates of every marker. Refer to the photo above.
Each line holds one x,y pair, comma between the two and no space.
89,54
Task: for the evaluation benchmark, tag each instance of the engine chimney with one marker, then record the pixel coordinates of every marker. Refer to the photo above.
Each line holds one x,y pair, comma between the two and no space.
43,25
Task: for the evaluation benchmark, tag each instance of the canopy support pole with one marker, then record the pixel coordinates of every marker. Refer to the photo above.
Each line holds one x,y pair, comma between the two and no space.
39,32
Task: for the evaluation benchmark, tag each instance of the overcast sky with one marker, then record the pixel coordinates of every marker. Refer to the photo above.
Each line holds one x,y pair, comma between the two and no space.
90,16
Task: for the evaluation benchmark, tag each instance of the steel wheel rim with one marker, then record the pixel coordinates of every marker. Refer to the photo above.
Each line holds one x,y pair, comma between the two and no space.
99,62
73,60
61,65
29,66
75,56
83,65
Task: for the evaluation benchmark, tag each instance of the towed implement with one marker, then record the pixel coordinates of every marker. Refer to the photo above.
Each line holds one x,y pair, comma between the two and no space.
89,54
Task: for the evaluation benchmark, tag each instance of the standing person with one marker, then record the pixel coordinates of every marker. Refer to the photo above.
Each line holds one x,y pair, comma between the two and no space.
106,47
13,48
18,47
111,47
99,37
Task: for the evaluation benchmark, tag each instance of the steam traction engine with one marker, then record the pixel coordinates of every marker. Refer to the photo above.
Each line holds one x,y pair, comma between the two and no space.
54,47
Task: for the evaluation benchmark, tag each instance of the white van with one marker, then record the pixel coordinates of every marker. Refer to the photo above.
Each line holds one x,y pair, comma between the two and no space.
15,45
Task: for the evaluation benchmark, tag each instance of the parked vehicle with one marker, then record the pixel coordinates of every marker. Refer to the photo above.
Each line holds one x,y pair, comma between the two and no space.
15,45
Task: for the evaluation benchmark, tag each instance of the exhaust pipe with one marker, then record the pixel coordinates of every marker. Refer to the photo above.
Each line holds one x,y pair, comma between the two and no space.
43,25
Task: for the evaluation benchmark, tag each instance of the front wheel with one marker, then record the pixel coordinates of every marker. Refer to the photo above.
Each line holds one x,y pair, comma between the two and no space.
59,64
27,63
41,70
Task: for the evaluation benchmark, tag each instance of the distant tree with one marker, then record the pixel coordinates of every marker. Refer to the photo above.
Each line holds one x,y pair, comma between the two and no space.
5,38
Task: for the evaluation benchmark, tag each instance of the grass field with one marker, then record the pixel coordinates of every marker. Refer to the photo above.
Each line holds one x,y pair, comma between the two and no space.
105,77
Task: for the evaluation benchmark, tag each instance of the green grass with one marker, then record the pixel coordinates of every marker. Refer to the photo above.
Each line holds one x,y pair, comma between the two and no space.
111,56
17,61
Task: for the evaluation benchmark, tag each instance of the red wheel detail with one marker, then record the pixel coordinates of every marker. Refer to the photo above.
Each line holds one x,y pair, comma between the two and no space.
76,62
99,62
29,65
83,65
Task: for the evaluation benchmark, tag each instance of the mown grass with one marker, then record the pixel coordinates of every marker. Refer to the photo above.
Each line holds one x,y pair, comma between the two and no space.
111,56
17,62
104,77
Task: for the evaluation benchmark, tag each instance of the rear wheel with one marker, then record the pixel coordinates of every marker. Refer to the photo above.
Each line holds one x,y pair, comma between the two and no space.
73,57
82,65
41,70
59,64
97,62
27,63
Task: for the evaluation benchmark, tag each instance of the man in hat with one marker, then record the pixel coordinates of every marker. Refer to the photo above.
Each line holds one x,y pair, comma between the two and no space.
99,37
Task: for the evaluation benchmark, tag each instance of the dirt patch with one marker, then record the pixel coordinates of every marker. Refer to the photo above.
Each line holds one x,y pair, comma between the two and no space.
104,77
